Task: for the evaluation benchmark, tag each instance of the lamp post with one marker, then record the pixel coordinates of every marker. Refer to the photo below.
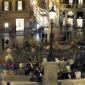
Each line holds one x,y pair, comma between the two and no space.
52,14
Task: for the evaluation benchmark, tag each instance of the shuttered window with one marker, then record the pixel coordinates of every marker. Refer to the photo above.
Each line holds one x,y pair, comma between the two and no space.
66,1
20,5
80,2
70,1
6,5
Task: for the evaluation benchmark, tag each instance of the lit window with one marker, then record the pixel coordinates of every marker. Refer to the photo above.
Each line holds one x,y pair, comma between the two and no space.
70,21
79,22
19,24
6,25
19,5
70,18
70,1
6,5
80,2
70,13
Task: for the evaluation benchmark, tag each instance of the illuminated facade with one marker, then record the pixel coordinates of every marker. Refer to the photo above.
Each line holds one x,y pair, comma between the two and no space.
15,13
19,15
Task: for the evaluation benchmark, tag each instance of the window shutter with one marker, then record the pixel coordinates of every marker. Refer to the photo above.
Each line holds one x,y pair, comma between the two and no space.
66,1
83,1
76,1
10,5
2,5
23,5
16,5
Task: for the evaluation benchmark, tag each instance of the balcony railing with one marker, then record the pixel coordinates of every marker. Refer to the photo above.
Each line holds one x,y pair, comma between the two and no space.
71,6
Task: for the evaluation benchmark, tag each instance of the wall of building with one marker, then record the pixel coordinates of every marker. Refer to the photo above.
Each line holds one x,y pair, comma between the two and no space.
10,16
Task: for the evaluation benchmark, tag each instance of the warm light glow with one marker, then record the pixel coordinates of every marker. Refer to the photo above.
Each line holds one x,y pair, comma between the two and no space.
80,22
70,1
80,2
19,24
34,2
19,5
52,13
6,5
6,25
70,21
70,13
70,18
56,2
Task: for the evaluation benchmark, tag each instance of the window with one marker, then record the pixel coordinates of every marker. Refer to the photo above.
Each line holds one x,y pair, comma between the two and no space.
6,24
80,2
70,13
70,1
20,5
79,22
70,21
19,24
70,18
6,5
80,16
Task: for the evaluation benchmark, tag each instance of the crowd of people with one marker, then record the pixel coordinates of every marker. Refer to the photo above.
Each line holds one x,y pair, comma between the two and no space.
34,70
67,69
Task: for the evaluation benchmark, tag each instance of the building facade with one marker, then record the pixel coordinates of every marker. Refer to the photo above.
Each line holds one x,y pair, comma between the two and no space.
14,13
14,17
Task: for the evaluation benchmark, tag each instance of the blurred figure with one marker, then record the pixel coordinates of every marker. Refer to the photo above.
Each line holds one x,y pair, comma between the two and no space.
8,83
68,68
21,65
9,60
2,43
77,74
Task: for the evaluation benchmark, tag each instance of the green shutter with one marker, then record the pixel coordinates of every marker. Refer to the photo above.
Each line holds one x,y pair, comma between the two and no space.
10,5
16,4
23,5
76,1
2,5
83,1
66,1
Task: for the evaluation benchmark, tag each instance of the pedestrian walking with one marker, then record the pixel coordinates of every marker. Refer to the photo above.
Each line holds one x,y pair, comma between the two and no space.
8,83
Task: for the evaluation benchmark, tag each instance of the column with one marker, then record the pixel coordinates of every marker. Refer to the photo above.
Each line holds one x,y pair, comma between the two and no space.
50,73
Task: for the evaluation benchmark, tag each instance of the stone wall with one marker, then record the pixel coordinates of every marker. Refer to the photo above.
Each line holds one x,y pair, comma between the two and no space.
72,82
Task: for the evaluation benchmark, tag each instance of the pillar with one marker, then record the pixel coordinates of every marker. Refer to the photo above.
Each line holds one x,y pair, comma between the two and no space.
50,73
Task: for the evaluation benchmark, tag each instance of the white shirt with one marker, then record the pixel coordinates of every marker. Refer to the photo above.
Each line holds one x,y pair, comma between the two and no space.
68,68
78,74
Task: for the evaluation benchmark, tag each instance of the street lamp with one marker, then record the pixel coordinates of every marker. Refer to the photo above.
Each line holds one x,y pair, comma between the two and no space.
52,14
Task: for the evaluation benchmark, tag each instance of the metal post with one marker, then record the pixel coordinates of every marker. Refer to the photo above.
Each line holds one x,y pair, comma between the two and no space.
50,55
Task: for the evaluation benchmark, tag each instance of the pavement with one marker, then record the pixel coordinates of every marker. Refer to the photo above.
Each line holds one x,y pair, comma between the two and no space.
19,83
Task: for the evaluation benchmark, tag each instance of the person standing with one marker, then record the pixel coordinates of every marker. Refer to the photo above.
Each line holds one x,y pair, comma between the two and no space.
2,43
